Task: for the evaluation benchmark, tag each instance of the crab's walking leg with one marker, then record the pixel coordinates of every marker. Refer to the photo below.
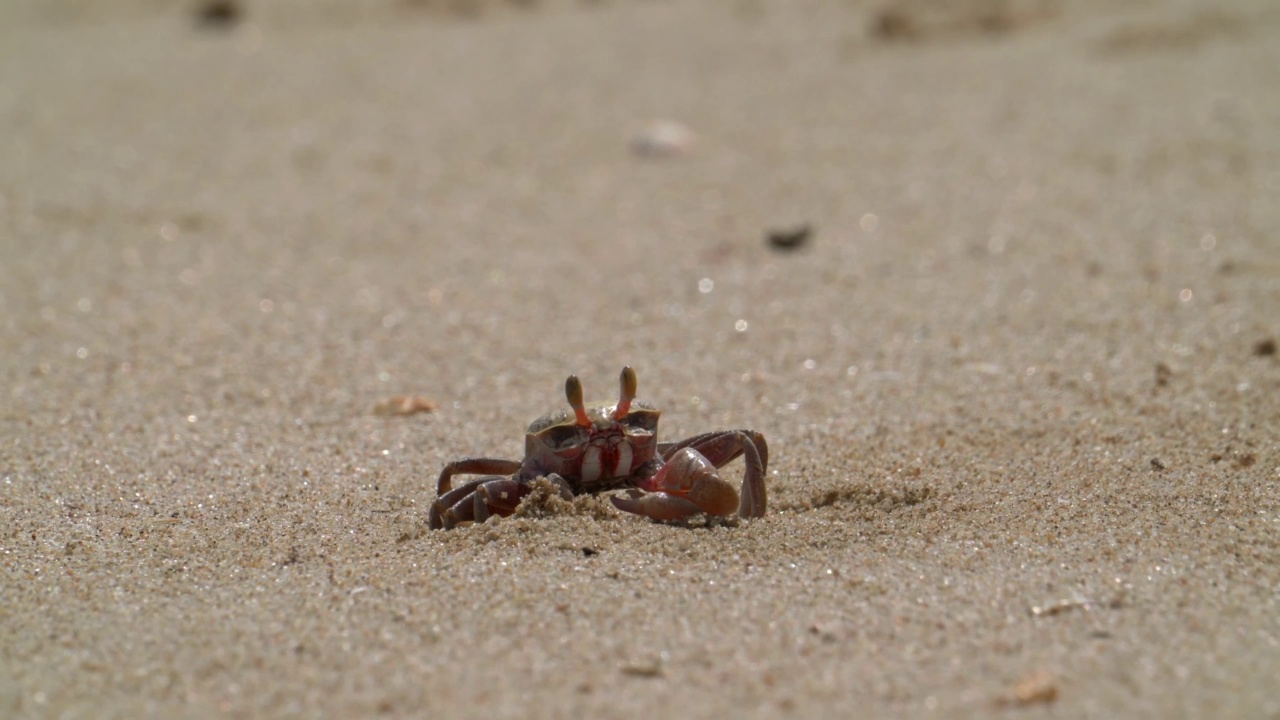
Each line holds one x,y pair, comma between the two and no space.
501,496
667,449
477,500
497,497
446,509
474,466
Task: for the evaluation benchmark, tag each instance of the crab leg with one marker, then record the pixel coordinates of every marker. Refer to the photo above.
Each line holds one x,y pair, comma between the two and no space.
474,466
667,449
497,497
445,510
477,500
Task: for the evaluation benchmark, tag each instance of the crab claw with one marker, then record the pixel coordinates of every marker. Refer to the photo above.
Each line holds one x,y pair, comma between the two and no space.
685,486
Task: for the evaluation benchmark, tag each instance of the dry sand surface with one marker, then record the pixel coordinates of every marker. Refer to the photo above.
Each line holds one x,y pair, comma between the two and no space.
1021,385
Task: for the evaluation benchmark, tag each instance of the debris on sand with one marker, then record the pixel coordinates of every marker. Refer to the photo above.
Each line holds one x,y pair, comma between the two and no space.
218,13
914,20
1039,687
647,667
401,405
1061,606
792,238
663,138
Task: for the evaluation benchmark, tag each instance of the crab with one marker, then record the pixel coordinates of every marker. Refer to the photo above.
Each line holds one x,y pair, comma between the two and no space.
606,448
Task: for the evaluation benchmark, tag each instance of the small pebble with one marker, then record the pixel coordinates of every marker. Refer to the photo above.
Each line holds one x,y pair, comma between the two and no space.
218,13
1163,374
790,238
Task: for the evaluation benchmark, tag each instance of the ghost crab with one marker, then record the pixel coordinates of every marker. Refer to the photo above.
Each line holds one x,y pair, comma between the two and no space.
610,447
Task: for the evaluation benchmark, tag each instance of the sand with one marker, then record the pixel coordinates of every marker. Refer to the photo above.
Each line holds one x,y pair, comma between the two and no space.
1020,384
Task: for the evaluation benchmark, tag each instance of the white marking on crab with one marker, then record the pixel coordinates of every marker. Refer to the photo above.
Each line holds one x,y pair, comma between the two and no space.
591,465
624,460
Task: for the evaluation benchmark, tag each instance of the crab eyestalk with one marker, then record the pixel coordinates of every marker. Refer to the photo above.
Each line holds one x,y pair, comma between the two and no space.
628,393
573,391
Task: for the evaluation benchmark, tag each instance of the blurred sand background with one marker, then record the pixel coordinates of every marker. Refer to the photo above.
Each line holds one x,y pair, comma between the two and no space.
1021,386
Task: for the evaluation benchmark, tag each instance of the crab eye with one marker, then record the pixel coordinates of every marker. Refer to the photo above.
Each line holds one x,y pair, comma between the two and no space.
564,436
642,422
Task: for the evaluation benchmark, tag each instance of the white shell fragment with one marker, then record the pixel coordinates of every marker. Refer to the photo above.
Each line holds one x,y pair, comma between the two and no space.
663,138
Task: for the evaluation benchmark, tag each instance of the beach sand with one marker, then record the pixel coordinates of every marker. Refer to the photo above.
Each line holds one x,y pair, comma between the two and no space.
1020,385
